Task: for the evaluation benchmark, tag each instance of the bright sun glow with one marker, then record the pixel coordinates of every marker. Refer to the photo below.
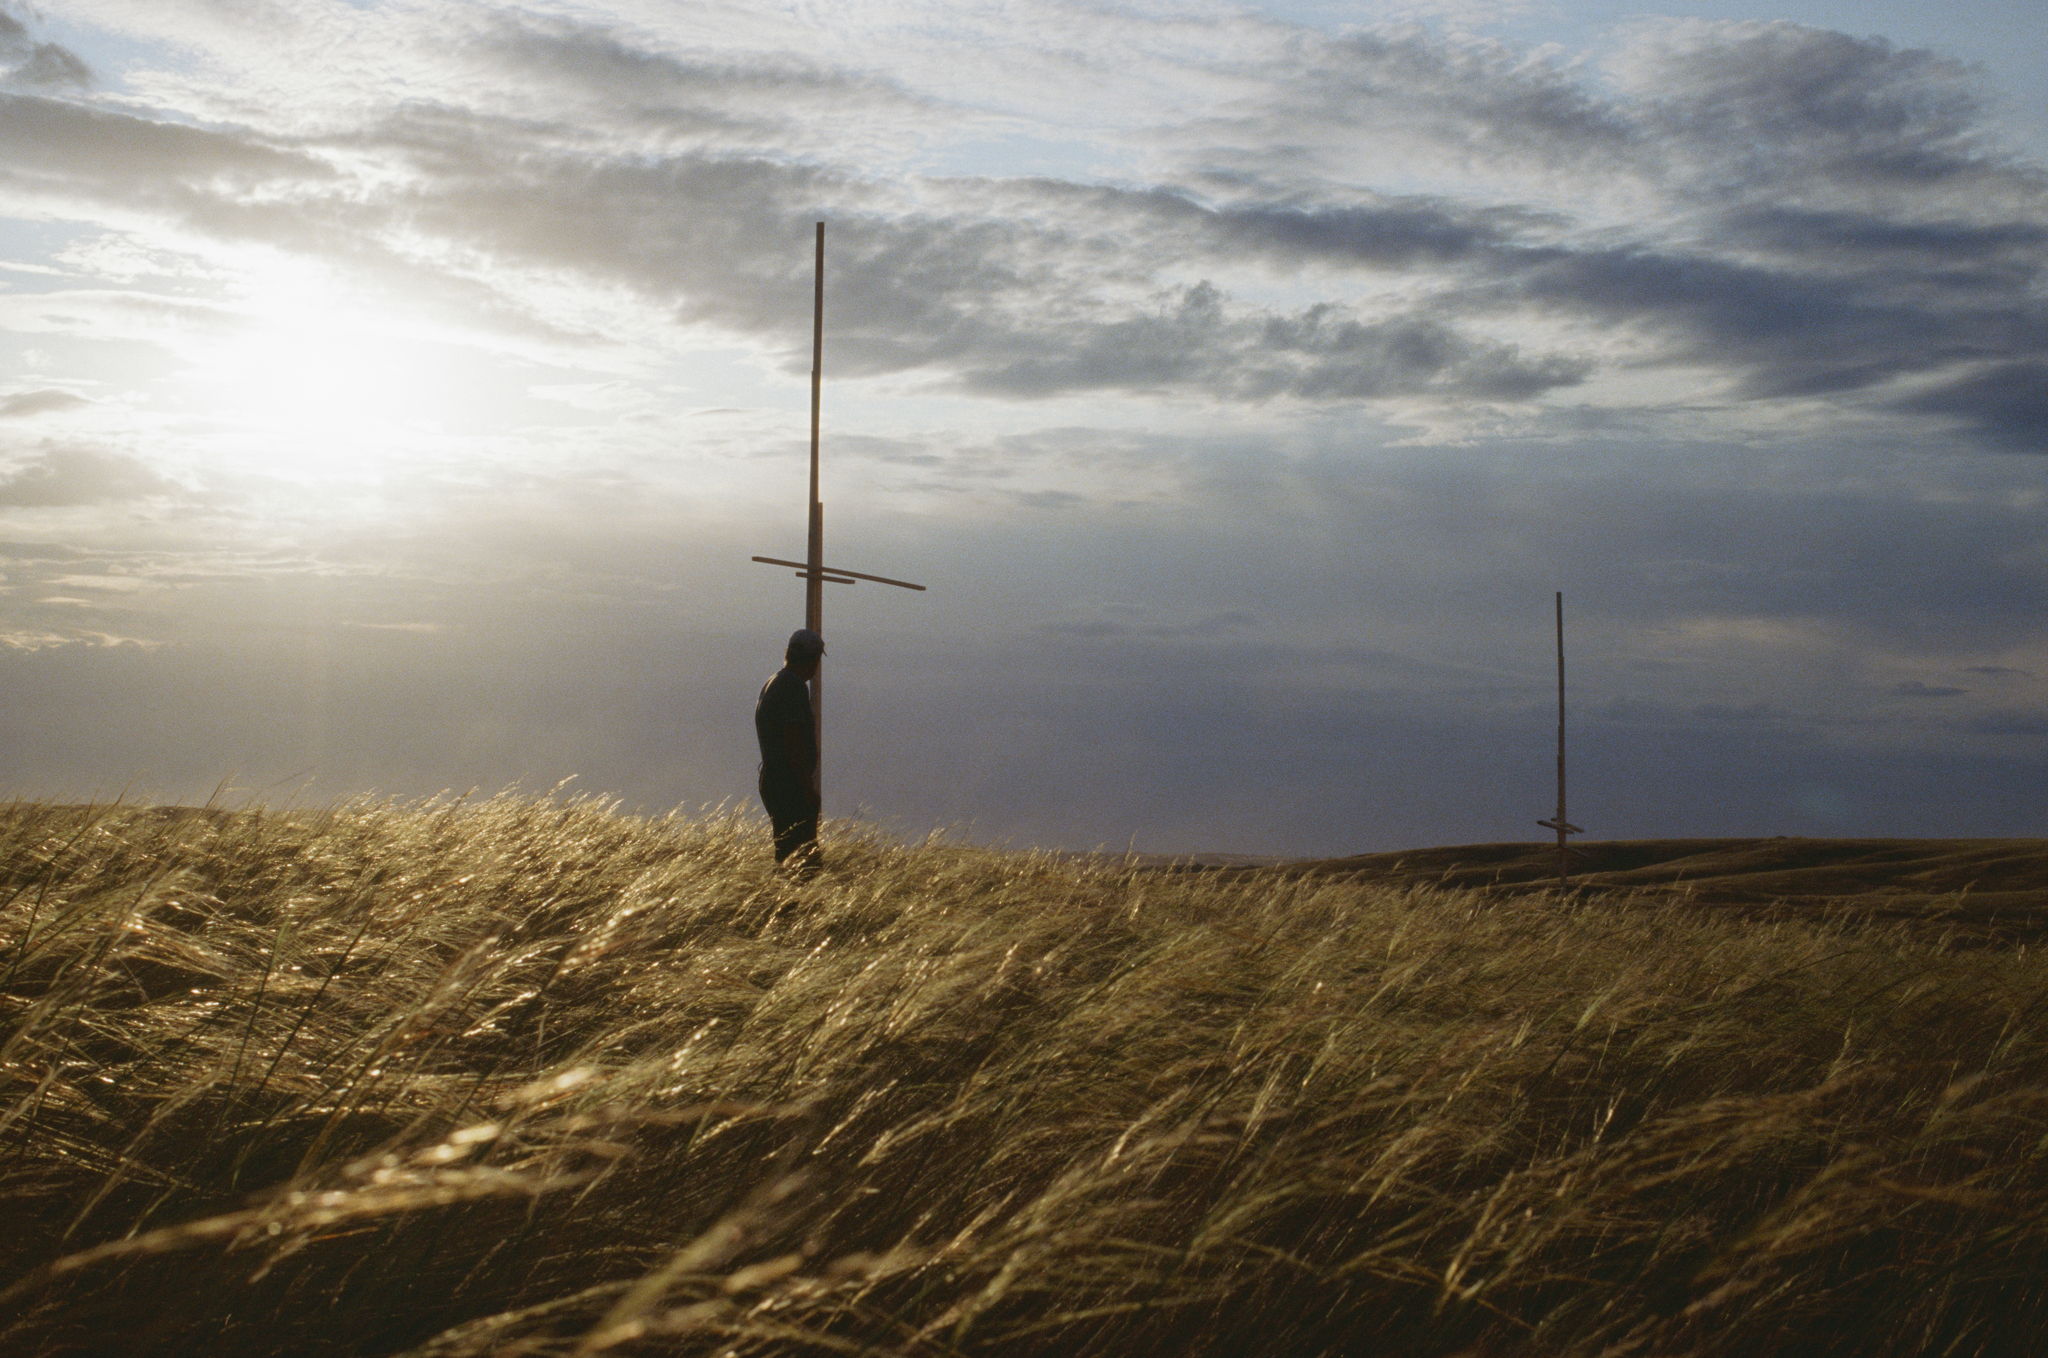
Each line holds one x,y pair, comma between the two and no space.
309,382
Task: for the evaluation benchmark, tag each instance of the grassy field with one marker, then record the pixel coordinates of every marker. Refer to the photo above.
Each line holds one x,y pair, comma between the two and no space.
527,1077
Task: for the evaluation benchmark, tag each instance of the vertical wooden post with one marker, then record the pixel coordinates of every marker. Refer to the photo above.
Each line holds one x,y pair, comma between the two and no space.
1564,869
1560,824
812,569
814,581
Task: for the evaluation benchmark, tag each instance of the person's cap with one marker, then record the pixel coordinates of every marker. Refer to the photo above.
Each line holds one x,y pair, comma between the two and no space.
803,641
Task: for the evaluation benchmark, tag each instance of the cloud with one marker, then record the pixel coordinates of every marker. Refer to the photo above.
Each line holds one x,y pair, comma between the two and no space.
1220,625
1331,107
53,148
1777,331
1805,213
1369,674
1661,339
107,313
28,64
1845,288
1759,105
1194,341
2004,403
602,75
629,165
1914,688
1015,308
1971,253
63,477
1050,499
1394,232
24,404
633,166
1745,712
32,641
2009,724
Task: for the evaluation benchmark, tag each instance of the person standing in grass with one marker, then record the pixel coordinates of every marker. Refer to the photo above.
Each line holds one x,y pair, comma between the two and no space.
787,730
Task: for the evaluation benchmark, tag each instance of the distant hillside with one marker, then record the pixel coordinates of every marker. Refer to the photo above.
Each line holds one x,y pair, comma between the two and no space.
1999,884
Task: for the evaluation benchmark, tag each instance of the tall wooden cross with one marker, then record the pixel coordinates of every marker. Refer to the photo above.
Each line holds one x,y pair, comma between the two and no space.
1560,824
812,569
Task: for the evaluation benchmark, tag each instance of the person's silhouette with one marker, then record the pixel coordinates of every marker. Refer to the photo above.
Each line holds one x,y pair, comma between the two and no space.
787,730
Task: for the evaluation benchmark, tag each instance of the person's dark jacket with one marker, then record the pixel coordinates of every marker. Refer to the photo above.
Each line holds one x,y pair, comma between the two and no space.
786,731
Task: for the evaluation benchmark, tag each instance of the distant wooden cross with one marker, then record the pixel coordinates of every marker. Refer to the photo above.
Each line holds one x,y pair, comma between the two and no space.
812,569
1559,823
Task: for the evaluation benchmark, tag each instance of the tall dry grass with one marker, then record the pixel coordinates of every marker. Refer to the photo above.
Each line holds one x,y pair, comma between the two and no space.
528,1077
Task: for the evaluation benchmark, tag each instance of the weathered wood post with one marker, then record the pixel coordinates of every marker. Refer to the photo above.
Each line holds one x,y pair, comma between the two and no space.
814,550
812,569
1563,826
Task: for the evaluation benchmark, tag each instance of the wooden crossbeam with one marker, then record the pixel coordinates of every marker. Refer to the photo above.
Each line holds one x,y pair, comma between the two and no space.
836,574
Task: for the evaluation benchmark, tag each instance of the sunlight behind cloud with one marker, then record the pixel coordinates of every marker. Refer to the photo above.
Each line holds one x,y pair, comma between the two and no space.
313,383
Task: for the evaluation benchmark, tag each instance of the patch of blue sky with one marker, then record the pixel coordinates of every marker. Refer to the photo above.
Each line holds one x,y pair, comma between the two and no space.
110,55
28,247
1022,156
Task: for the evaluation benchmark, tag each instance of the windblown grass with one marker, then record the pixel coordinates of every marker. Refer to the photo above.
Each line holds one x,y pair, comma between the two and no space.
528,1077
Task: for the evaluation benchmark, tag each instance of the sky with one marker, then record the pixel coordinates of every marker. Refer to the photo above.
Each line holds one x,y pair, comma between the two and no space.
392,393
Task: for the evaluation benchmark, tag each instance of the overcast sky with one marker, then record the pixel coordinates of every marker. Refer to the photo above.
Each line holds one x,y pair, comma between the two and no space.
392,392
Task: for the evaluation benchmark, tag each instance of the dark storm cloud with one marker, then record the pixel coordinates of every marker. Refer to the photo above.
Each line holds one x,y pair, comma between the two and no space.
1778,331
1192,341
1831,213
2005,403
78,476
1853,299
1886,235
1046,336
1970,254
1388,231
1767,105
1394,233
1909,246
